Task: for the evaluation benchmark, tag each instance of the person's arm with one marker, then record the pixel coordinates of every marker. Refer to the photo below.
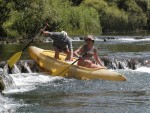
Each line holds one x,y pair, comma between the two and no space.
76,52
98,60
47,33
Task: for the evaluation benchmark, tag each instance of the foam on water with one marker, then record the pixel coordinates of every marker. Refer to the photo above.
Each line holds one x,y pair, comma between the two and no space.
9,105
25,82
130,39
143,69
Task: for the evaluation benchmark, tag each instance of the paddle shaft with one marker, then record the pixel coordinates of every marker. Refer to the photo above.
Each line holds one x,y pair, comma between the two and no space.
33,38
72,63
17,55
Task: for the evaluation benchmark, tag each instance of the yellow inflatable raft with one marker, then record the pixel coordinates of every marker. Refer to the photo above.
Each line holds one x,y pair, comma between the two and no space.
45,60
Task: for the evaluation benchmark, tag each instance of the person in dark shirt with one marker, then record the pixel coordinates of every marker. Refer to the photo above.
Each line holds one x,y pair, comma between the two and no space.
61,43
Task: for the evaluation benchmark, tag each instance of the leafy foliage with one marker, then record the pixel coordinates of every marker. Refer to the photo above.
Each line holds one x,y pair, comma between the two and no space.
24,18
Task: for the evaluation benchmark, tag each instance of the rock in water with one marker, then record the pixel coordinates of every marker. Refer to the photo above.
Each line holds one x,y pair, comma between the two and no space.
2,85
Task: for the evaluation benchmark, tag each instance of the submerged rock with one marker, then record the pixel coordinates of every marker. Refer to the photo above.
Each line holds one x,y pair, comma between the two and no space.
2,85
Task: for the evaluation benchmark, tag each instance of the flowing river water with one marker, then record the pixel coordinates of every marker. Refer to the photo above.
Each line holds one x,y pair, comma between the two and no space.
42,93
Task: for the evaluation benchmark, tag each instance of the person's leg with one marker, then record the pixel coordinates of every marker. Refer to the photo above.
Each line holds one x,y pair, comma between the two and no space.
68,53
95,66
57,52
85,63
88,64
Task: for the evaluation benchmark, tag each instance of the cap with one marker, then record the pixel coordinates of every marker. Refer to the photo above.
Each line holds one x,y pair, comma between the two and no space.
64,33
89,37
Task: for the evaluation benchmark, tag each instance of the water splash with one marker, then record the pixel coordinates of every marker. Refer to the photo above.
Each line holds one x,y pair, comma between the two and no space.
6,105
15,69
143,69
27,67
7,79
26,82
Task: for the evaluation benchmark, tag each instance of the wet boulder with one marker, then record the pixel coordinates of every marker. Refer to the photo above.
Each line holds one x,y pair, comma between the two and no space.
2,85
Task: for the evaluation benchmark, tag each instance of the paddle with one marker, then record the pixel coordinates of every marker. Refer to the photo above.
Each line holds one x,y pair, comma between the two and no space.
62,71
17,55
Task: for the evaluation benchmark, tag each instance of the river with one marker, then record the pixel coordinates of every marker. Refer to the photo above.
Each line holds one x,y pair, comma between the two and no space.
42,93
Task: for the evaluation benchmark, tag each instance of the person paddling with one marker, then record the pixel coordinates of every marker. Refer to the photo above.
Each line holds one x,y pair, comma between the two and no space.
61,43
91,58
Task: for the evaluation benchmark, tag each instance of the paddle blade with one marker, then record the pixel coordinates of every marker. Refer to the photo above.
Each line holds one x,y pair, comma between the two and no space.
61,71
14,59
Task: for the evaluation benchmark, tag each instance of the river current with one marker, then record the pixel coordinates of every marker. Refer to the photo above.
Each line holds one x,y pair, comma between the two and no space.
42,93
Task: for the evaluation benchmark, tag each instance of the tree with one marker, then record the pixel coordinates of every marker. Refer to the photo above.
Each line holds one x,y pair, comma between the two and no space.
137,18
76,2
5,6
